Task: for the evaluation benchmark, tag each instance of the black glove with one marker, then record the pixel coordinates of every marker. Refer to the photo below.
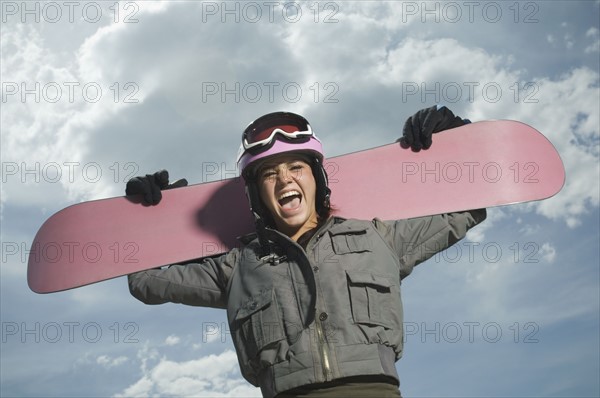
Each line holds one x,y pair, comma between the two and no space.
150,186
420,126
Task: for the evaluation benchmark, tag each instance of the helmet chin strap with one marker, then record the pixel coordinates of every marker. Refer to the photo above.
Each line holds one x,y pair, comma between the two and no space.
323,198
259,221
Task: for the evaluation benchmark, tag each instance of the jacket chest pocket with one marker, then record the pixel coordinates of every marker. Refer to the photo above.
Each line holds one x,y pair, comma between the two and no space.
345,239
372,300
257,324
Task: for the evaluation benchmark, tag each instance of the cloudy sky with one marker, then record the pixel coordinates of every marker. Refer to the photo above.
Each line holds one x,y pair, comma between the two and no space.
96,92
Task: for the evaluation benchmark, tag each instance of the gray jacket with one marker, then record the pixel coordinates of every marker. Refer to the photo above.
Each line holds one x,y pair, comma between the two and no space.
330,311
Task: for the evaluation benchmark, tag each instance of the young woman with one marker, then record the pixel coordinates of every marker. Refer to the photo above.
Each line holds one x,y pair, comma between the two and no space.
313,300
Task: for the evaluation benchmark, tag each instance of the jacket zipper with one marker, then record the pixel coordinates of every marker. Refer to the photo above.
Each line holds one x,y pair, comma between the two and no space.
325,362
323,349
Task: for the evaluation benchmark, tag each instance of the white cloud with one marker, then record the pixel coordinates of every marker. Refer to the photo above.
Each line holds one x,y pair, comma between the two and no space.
172,340
569,42
530,229
139,389
594,47
213,333
44,133
548,252
108,362
53,103
494,215
210,376
592,32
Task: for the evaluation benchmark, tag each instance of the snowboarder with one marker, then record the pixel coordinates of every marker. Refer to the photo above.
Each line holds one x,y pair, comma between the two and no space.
313,300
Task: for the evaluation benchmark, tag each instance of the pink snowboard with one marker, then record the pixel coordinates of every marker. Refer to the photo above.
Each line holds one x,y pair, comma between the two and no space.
482,164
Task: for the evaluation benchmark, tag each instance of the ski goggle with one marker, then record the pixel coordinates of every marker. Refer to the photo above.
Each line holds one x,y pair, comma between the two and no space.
261,133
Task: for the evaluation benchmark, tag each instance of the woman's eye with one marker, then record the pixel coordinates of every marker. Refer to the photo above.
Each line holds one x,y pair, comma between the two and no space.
269,174
296,170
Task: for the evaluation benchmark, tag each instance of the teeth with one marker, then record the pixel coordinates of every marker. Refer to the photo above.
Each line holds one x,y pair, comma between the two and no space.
288,194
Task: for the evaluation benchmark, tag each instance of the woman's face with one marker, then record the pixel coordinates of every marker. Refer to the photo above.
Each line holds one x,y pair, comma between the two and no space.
287,188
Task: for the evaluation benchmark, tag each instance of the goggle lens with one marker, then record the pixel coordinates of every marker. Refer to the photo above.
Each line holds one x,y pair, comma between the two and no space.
262,133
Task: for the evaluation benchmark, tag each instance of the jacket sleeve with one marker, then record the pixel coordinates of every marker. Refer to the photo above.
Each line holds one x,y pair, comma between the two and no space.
417,239
199,284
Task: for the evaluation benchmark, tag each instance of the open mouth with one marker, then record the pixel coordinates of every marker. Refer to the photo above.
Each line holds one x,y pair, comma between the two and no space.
290,200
